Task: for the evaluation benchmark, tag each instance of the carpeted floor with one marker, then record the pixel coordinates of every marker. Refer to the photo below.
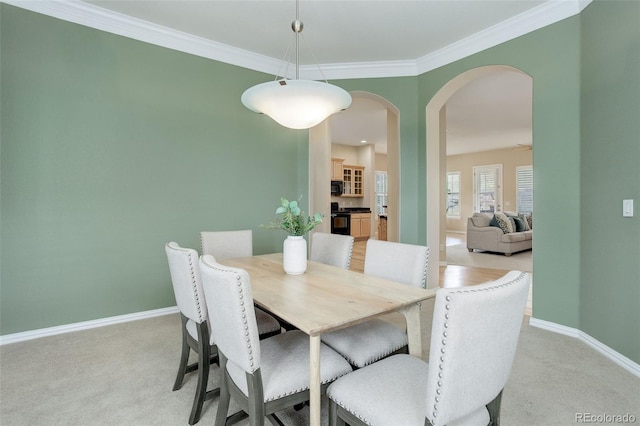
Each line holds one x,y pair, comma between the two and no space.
459,255
123,375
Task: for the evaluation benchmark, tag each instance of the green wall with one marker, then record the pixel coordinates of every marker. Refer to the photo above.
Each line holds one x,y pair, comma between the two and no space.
610,163
111,147
551,57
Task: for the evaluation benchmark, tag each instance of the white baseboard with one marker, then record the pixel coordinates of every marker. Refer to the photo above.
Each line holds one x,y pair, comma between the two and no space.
605,350
85,325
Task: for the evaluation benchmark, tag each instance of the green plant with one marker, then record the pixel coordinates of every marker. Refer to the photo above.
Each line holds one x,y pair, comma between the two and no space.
293,220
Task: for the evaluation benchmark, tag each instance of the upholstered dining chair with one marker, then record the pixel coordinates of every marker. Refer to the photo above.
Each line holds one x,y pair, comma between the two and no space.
474,336
264,376
230,244
331,249
196,336
227,244
375,339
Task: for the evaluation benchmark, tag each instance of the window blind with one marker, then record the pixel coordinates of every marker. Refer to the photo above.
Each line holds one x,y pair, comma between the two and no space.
524,189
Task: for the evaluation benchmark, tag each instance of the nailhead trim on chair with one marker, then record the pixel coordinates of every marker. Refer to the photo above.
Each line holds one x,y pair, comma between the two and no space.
195,287
424,273
349,258
447,308
372,360
244,315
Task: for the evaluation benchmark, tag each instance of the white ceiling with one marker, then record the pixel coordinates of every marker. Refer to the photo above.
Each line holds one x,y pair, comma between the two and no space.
349,39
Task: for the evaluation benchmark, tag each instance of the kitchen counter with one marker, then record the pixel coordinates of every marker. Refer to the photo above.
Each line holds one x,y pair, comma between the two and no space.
352,210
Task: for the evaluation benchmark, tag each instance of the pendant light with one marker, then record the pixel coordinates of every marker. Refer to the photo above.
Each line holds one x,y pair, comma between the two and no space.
296,104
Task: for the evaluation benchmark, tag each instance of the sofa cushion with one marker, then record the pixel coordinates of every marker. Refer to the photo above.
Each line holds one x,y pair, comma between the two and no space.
503,222
481,219
513,237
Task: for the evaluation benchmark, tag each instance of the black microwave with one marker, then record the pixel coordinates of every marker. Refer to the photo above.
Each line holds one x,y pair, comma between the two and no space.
336,187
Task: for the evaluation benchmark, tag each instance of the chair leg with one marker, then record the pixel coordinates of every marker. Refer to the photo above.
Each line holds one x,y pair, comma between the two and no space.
494,410
225,396
184,357
203,373
255,399
334,419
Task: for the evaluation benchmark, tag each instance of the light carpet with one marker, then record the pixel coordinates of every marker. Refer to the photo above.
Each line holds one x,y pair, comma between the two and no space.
459,255
123,374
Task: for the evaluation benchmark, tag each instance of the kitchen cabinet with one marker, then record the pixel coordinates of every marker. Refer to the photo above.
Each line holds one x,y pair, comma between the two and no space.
353,177
336,169
360,225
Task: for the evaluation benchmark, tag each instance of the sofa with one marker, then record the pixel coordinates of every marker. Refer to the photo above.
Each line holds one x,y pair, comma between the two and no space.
489,232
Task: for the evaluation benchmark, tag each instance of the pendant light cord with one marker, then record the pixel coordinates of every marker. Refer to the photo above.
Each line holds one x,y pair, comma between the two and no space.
297,26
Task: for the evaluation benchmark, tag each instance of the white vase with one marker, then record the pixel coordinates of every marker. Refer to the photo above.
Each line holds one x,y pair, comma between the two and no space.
294,255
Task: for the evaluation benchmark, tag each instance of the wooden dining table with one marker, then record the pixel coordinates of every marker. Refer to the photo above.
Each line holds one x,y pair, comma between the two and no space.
327,298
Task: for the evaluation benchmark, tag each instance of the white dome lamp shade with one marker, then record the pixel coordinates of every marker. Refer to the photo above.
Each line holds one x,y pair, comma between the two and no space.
296,104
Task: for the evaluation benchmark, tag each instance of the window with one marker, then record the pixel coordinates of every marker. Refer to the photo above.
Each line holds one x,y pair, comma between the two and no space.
487,188
453,195
524,189
381,192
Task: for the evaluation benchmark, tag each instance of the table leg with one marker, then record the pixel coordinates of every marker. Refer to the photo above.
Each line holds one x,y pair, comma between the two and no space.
414,334
314,380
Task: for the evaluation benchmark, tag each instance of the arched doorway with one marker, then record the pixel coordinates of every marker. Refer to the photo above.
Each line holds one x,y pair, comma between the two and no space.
436,151
320,139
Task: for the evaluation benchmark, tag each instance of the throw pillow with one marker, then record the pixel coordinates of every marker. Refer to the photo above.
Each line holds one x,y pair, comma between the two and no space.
529,218
481,219
503,222
523,217
520,224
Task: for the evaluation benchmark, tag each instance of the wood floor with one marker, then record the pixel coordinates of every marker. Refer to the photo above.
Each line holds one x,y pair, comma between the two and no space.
450,276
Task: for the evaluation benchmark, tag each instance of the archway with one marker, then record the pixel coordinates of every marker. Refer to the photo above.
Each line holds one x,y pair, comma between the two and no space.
320,160
436,161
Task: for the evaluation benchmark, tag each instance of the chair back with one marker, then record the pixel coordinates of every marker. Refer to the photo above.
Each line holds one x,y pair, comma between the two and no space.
405,263
332,249
233,319
227,244
186,280
473,342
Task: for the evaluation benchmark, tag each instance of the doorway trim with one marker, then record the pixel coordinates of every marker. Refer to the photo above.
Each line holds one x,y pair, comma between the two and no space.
436,151
320,158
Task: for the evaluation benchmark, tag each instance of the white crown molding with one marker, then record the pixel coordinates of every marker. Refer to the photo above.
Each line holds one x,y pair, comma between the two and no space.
85,325
546,14
359,70
605,350
116,23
